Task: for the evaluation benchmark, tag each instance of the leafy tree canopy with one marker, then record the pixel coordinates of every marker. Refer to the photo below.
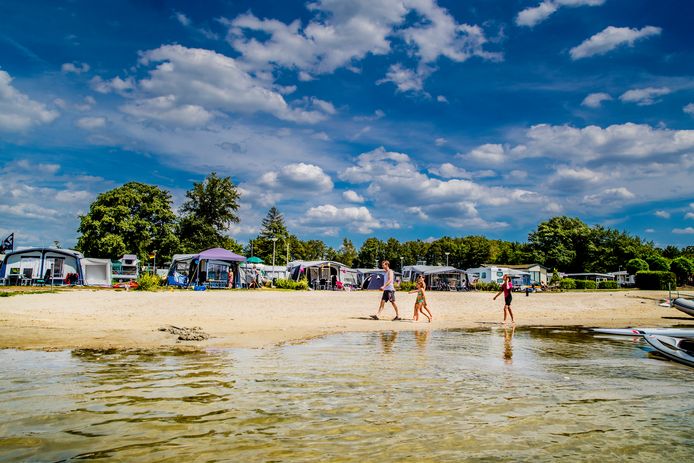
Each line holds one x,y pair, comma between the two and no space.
207,213
134,218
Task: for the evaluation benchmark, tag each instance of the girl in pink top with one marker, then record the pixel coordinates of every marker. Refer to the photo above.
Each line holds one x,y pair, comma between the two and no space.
506,288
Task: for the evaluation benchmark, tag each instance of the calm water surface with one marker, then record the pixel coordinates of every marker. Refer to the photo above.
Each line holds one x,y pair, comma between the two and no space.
486,395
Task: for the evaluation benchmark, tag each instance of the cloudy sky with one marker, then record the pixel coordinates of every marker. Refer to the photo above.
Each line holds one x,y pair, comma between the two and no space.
357,118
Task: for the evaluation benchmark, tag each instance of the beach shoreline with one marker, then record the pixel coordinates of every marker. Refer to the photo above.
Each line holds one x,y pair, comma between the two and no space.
108,319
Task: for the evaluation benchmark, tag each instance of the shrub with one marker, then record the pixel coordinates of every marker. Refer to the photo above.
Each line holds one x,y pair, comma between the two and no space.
586,284
291,284
657,263
648,279
407,285
483,286
148,282
683,269
635,265
567,283
555,277
608,284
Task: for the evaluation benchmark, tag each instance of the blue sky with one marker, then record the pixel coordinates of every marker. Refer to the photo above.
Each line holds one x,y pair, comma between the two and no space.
356,118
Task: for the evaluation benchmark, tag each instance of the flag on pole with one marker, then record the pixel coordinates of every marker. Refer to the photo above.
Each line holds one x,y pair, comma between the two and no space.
7,243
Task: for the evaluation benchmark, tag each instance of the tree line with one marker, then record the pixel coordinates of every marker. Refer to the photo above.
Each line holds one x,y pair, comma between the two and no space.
139,219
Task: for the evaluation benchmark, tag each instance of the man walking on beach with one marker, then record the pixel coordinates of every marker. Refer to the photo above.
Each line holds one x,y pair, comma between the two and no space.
388,289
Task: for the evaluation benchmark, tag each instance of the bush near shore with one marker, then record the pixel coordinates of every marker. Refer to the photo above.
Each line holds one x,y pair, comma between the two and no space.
301,285
648,279
148,282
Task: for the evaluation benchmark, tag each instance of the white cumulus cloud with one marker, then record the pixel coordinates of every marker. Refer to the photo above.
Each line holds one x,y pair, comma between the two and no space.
610,38
532,16
609,195
594,100
329,217
75,68
18,112
404,79
91,123
299,176
644,96
203,81
662,214
352,196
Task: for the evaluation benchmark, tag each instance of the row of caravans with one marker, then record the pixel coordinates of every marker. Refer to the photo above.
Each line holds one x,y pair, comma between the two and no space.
222,268
56,267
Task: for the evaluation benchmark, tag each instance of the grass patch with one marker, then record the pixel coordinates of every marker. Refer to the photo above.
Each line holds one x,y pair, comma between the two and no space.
19,292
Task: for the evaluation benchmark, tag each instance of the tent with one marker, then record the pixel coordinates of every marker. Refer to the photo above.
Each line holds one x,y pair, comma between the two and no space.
436,277
96,272
324,274
50,266
214,268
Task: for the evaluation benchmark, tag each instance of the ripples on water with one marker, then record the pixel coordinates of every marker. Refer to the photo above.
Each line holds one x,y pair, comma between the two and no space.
536,394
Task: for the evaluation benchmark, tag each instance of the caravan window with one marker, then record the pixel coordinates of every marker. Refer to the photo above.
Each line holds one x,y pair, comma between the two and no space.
483,275
499,274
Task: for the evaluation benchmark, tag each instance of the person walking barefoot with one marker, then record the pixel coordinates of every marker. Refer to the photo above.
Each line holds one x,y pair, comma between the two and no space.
420,303
388,289
506,288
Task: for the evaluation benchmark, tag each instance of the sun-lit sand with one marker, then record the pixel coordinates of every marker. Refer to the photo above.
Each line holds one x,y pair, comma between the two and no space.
119,319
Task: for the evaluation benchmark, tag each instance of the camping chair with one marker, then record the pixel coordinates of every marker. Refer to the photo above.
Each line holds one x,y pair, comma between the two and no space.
26,277
46,277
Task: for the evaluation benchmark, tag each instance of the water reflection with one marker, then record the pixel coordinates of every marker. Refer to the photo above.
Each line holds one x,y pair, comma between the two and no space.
388,341
340,399
508,347
420,338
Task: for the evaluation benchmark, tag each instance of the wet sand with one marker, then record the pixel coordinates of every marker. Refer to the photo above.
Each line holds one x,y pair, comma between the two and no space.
102,319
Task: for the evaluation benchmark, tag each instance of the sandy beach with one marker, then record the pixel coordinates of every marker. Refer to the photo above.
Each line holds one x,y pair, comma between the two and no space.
99,319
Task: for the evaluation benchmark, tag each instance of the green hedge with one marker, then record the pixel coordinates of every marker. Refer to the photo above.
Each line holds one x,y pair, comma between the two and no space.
586,284
483,286
407,285
648,279
300,285
608,284
567,283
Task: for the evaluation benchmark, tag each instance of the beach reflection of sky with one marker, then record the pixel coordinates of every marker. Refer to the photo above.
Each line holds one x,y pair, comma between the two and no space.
493,393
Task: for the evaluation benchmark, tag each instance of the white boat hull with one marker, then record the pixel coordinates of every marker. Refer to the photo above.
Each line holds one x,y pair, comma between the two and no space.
677,332
684,305
677,349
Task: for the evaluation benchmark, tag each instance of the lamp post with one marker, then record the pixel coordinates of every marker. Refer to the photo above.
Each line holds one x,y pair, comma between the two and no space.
274,241
447,258
401,258
287,252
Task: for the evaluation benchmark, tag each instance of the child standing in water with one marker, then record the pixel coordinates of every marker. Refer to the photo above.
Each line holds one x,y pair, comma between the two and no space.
506,288
420,304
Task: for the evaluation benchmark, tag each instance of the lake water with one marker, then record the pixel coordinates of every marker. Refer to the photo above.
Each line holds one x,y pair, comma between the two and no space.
484,395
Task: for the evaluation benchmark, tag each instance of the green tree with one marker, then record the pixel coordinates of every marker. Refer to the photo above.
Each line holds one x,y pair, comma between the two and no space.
347,254
209,210
683,269
658,263
271,227
635,265
565,243
133,218
670,252
371,253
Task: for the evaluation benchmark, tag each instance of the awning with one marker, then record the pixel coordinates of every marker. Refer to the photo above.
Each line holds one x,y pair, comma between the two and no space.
220,254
